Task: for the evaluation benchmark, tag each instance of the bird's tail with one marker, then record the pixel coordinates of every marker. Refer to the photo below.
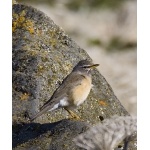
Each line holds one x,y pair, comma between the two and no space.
38,114
44,109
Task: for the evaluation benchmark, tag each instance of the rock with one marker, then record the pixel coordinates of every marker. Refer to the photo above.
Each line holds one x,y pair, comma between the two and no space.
14,2
43,55
50,136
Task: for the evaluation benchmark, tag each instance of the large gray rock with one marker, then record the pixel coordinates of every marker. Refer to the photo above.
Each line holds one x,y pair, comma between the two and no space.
43,55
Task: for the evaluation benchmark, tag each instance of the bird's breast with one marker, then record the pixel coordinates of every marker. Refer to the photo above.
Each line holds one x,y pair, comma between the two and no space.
81,91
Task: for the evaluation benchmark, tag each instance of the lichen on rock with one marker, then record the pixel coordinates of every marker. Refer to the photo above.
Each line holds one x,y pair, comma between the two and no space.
42,56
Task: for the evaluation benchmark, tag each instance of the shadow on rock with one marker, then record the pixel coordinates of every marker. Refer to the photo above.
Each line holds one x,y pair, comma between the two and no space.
28,131
58,135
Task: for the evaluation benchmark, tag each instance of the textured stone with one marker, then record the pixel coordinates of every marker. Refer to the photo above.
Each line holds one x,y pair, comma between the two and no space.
42,56
49,136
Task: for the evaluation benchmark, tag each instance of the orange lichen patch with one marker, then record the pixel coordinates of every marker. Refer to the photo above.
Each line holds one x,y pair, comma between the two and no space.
102,103
24,96
29,26
20,21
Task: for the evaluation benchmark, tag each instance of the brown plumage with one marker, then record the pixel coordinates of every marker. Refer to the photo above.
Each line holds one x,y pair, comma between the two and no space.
73,91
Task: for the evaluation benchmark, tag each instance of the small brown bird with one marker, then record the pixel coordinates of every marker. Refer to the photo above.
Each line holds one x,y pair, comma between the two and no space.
73,91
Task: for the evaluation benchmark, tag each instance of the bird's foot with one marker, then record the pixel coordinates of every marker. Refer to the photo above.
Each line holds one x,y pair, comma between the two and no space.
73,116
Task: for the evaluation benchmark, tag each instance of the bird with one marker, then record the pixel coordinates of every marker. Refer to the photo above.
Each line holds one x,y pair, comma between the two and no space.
73,91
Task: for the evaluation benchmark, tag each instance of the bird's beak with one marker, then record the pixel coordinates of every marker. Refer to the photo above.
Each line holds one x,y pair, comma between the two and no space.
93,66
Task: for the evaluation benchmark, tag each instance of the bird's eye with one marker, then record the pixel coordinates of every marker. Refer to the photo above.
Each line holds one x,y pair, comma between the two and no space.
84,67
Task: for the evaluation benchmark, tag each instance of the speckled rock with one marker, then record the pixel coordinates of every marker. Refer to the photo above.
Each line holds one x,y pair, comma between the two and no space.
48,136
42,56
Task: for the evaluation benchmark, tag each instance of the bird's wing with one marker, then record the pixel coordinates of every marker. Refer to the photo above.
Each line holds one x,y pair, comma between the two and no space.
61,93
49,105
63,90
68,83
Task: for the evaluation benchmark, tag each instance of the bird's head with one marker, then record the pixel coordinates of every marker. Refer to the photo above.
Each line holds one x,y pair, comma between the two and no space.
85,66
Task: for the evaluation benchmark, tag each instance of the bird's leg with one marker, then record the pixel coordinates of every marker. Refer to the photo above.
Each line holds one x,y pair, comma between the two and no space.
73,115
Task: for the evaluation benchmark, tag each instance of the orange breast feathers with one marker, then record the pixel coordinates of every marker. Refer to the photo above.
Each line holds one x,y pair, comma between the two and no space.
81,92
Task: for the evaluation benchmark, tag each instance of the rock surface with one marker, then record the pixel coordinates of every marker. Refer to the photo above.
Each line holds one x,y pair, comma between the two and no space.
48,136
43,55
118,66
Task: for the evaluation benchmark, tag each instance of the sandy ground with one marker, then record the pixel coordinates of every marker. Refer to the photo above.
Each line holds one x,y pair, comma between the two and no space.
119,68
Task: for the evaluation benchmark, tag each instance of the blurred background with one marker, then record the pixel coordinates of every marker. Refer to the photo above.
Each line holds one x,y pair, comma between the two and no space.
107,30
